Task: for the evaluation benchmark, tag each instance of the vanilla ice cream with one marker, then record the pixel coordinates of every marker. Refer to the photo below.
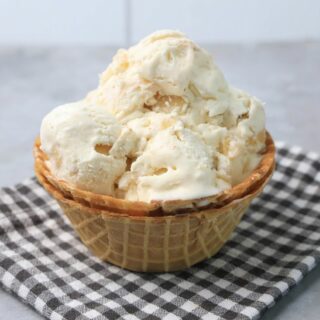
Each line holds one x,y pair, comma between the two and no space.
86,146
163,124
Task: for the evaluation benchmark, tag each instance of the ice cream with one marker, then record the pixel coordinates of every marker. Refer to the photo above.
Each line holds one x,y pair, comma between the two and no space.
86,146
163,124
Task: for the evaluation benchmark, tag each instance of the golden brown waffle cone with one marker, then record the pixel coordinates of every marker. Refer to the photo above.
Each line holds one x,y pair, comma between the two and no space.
162,235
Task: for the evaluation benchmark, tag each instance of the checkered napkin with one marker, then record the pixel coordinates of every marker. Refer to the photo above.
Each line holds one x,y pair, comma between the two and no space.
44,263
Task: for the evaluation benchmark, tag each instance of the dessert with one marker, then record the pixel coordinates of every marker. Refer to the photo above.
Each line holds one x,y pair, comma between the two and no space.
156,166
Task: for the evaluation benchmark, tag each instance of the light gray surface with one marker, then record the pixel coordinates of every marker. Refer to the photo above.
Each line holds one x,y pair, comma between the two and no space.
34,80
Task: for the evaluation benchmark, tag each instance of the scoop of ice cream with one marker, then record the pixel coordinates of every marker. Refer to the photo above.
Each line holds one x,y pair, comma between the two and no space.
168,123
85,146
175,164
162,66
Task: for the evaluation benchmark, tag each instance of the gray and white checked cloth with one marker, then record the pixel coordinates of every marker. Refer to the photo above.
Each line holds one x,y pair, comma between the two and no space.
44,263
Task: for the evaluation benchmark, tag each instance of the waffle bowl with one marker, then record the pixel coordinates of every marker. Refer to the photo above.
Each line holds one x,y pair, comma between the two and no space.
160,236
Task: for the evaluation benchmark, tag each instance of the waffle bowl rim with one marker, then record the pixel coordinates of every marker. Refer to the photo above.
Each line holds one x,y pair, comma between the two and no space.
104,204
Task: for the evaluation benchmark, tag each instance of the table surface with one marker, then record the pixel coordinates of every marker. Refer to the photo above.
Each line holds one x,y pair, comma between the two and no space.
284,75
